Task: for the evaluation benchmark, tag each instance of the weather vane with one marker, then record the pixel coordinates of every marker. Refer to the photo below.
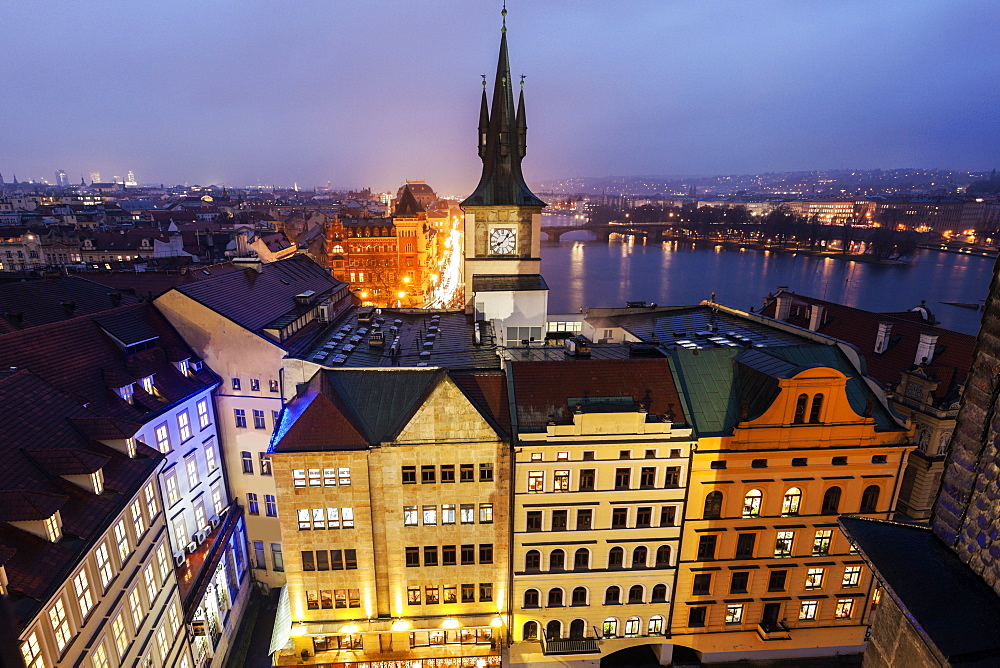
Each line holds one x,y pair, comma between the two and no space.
522,81
484,80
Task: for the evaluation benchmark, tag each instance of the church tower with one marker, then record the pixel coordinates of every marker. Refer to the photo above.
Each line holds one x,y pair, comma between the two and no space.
503,220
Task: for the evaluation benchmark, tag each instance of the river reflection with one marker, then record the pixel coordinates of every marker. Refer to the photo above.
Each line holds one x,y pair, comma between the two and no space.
585,273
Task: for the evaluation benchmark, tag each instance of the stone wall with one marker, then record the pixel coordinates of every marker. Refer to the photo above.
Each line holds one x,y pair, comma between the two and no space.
894,642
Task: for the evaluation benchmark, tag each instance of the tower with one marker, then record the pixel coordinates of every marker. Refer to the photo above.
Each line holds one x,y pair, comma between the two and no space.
503,218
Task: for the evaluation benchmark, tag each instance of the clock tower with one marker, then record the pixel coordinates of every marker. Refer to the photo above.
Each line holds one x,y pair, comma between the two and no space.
503,221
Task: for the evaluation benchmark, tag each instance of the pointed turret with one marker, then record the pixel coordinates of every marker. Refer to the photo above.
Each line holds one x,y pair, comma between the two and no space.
408,206
522,124
502,144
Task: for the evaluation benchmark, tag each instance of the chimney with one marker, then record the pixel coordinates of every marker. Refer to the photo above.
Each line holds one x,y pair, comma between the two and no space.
784,307
882,340
816,313
925,349
249,263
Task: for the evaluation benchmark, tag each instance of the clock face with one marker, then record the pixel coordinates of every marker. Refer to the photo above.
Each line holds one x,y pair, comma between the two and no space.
502,241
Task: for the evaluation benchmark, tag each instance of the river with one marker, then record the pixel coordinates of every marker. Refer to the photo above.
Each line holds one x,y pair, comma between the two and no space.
582,273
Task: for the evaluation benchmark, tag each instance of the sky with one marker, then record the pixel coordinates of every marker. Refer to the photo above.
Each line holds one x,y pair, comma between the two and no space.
368,93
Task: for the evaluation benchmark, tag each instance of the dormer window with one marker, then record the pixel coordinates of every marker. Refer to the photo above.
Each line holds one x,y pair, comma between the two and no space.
97,480
53,528
126,392
130,446
147,384
184,366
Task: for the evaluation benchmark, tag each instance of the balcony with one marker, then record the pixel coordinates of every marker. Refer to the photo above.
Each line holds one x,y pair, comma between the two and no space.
570,646
773,631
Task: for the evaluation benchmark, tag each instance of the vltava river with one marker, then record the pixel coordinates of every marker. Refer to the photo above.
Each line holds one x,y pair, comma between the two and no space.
585,273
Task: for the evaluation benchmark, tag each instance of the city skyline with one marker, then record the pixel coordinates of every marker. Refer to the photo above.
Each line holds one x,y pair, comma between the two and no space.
369,95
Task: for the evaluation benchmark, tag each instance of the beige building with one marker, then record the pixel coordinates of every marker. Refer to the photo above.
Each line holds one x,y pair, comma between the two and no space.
395,489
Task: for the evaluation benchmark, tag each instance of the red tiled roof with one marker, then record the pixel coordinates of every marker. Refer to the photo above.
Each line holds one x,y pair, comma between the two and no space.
488,392
542,389
319,422
22,505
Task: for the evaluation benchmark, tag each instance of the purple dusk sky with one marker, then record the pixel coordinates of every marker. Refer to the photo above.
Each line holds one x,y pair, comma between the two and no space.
372,92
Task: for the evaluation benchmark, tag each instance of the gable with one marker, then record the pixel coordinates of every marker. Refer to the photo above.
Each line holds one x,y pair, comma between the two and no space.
447,415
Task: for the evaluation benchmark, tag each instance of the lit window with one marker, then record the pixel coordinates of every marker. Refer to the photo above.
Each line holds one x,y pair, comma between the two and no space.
217,503
410,516
135,607
821,542
783,544
138,519
485,513
121,541
60,624
430,515
255,385
173,491
130,446
344,477
814,578
751,503
147,384
299,477
314,478
150,579
81,583
100,657
845,606
265,463
734,613
852,576
120,634
126,392
468,511
560,482
97,481
204,419
151,503
536,481
184,425
448,513
162,438
191,465
807,610
52,530
211,462
790,504
31,651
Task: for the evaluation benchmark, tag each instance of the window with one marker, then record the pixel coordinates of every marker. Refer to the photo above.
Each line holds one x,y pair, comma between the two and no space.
647,477
852,577
450,594
616,557
120,634
717,464
84,597
258,555
252,504
776,581
557,560
536,481
468,554
814,578
429,515
258,419
790,504
308,563
758,464
466,473
668,516
272,385
831,501
696,615
468,511
184,425
247,459
880,459
163,438
530,631
138,519
663,556
845,606
486,553
531,598
740,582
559,520
579,596
655,625
448,473
713,505
555,598
800,409
121,541
562,456
486,474
672,476
619,518
706,546
409,475
799,461
485,591
413,595
270,505
821,542
350,559
299,477
560,480
534,522
60,623
430,555
347,515
702,584
734,613
448,513
586,480
447,556
588,455
807,610
869,499
639,556
644,517
612,595
265,463
581,560
624,454
191,464
659,594
211,460
783,544
636,594
532,560
255,385
839,461
428,475
622,478
241,417
236,384
815,408
584,519
135,607
412,557
314,477
751,503
100,657
744,545
31,652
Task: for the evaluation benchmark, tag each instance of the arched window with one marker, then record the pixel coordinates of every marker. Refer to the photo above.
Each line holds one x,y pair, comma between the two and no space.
800,409
553,630
555,597
577,628
530,631
581,560
579,596
338,249
869,499
831,501
632,626
557,560
612,595
816,408
790,505
639,555
635,594
610,627
616,557
713,505
655,625
532,560
659,594
531,598
663,556
751,503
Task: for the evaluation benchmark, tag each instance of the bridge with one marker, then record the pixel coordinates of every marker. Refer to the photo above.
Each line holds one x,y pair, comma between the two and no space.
656,231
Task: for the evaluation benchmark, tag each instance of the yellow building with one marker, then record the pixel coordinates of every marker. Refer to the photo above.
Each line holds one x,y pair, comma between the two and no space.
788,438
395,492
